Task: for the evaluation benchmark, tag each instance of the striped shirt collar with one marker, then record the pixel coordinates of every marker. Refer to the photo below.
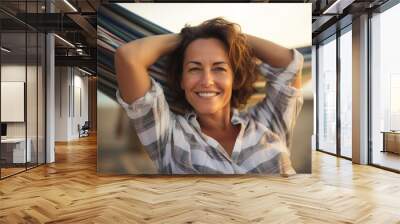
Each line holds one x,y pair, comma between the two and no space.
237,118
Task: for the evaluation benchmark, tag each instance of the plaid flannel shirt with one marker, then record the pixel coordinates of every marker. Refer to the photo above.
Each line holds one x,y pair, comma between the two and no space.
177,145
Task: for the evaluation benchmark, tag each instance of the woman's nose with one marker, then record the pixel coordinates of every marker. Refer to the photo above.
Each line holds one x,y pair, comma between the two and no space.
207,78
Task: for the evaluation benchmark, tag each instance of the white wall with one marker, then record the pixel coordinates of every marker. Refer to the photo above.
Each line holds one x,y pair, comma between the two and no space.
71,93
62,78
14,73
33,126
79,110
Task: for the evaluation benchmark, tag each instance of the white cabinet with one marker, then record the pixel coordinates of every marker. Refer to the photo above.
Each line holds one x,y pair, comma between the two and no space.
18,149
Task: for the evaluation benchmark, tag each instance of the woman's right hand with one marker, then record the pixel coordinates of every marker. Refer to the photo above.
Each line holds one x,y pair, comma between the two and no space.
133,59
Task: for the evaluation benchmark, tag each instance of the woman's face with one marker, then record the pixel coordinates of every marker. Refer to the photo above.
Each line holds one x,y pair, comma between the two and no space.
207,76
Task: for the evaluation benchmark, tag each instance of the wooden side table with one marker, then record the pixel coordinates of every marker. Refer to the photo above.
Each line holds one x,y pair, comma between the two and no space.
391,141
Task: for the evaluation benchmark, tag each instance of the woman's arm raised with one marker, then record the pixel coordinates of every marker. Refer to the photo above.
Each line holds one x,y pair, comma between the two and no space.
134,58
282,103
273,54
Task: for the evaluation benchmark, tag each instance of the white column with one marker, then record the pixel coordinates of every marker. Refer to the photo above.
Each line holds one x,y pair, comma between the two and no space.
360,90
50,100
50,93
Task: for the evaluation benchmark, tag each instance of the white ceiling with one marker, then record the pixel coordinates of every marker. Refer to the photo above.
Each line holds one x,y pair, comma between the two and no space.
288,24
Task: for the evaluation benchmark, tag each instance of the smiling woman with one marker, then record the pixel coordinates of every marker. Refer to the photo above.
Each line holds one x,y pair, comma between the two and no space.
207,77
212,67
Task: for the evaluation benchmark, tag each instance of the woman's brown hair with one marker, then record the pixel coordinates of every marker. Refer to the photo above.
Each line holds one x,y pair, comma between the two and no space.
240,55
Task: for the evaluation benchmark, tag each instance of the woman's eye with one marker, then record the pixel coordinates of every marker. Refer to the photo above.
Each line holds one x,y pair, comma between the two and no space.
194,69
220,69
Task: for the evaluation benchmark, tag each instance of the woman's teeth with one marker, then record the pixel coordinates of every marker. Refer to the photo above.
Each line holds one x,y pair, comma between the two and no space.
207,94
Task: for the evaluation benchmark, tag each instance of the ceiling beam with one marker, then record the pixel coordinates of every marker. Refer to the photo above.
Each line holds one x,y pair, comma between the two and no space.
81,61
86,26
337,6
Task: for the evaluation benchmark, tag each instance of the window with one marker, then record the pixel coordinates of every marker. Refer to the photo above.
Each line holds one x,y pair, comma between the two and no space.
385,89
22,69
327,96
346,93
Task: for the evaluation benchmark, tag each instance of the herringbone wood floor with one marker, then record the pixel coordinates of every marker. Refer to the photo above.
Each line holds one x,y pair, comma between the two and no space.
70,191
